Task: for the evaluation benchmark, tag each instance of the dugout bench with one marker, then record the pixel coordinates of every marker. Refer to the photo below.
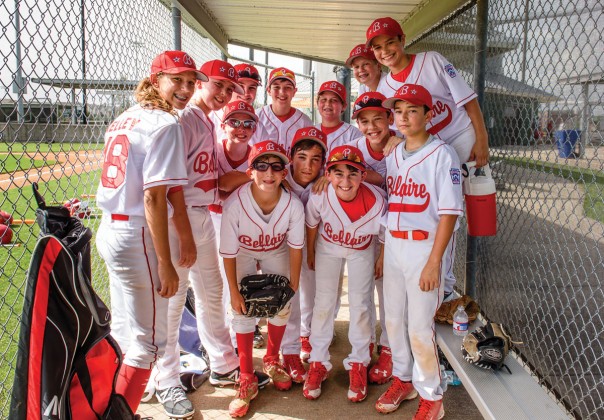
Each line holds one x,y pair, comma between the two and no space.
498,395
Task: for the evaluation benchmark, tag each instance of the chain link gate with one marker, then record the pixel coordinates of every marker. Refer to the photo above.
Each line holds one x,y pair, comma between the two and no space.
544,110
68,69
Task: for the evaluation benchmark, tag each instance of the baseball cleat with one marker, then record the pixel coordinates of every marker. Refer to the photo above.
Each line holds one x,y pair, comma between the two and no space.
246,392
429,410
317,373
294,367
306,349
175,402
258,338
398,392
357,391
274,369
231,378
381,371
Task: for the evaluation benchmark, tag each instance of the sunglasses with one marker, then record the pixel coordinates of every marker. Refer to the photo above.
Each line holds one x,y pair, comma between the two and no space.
248,75
232,122
373,102
263,166
351,157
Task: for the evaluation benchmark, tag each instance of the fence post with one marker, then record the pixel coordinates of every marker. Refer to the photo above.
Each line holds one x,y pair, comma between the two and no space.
480,59
312,97
176,21
343,76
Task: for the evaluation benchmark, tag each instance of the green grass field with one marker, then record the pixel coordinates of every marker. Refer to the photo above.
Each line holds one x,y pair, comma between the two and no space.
10,164
591,181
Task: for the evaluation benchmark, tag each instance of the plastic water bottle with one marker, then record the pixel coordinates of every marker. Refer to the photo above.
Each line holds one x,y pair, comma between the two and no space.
444,378
452,378
460,322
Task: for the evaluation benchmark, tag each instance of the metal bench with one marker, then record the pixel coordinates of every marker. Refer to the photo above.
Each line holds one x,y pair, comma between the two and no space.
499,395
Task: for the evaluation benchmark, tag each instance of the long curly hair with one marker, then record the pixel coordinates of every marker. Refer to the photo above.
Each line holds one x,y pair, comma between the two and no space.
148,96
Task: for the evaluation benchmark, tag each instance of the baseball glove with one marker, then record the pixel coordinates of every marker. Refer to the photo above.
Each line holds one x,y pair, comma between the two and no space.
447,309
265,295
487,346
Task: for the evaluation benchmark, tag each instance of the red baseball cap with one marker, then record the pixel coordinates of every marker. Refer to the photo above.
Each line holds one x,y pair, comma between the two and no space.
310,133
266,147
237,107
248,72
175,62
335,87
282,73
221,70
414,94
383,26
360,50
369,101
348,155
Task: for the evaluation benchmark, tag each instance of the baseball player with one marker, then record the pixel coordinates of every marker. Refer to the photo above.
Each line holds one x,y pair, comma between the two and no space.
341,228
331,102
280,119
261,223
457,119
204,275
425,200
309,148
366,69
143,157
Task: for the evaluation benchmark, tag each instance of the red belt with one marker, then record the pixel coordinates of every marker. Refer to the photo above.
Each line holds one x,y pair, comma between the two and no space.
416,235
121,217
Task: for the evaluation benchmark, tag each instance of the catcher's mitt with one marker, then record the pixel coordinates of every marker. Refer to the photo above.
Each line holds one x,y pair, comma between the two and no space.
447,309
265,294
487,346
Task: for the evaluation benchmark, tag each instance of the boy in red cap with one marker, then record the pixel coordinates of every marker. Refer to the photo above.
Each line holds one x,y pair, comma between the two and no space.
262,223
457,119
331,102
424,203
279,119
341,227
366,69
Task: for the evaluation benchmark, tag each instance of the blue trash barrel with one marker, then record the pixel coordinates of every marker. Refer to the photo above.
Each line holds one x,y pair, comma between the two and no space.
565,142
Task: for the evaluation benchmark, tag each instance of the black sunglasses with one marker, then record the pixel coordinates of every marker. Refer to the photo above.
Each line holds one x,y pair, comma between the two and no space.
263,166
232,122
248,75
373,102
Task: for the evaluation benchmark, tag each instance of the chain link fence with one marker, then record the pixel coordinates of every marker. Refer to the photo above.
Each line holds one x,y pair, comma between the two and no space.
544,109
305,83
68,69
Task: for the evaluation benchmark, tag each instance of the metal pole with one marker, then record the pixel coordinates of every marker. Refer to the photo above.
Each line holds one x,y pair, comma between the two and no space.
83,47
343,76
525,40
312,97
18,87
266,77
176,22
480,67
584,124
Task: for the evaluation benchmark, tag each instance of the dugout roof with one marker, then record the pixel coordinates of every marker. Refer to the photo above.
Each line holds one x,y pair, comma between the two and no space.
312,29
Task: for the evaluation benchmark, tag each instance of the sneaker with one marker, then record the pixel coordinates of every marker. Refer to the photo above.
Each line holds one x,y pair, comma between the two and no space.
317,373
258,338
294,368
381,371
274,369
429,410
231,378
357,391
306,349
246,392
175,402
398,392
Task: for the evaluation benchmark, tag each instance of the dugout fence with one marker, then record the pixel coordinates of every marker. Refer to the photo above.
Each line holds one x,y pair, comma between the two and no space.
68,68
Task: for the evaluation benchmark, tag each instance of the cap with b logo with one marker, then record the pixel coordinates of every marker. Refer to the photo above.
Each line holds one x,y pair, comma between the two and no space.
335,87
248,72
383,26
175,62
282,73
360,50
373,101
221,70
310,133
266,147
347,155
414,94
239,107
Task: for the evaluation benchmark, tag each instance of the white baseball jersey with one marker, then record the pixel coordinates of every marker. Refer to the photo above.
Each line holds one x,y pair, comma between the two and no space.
225,164
143,148
303,193
343,135
374,161
278,131
381,83
423,187
243,229
449,91
335,225
200,146
216,116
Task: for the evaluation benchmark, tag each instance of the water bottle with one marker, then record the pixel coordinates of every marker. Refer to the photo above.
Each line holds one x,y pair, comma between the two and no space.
460,322
452,378
444,378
